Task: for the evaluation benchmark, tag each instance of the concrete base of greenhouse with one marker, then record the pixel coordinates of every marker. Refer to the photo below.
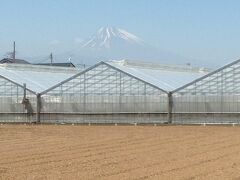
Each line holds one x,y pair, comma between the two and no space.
205,118
143,118
17,118
123,118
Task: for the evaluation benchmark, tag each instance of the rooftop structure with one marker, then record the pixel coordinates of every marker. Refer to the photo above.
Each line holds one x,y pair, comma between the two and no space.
14,61
69,64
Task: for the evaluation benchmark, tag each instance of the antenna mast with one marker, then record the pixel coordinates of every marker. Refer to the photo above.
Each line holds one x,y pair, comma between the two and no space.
14,50
51,58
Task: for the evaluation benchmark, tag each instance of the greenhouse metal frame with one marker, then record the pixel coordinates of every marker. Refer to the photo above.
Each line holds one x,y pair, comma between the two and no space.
214,98
17,103
106,94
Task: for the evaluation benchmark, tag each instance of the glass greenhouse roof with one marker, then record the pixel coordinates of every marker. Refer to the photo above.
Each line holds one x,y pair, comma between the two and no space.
36,77
41,78
166,77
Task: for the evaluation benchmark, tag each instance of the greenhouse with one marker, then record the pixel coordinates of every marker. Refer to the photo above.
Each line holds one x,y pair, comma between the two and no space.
116,92
214,98
120,92
19,86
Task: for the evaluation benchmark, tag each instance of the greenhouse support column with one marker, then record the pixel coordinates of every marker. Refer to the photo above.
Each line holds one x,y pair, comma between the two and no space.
170,105
84,93
145,98
120,92
24,91
38,108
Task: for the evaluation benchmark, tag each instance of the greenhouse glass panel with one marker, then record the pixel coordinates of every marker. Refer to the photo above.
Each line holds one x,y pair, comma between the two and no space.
14,105
106,91
213,98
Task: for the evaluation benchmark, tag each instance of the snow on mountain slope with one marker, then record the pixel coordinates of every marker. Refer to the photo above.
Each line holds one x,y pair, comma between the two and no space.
107,37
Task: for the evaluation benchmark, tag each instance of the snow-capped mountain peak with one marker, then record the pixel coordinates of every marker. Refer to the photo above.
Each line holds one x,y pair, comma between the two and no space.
110,43
107,37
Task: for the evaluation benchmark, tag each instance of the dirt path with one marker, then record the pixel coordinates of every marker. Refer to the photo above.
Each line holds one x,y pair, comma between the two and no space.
119,152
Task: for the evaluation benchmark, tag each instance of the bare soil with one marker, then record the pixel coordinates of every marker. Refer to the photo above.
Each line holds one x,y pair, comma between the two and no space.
119,152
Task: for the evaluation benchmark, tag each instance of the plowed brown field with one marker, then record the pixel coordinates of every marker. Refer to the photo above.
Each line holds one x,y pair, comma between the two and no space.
119,152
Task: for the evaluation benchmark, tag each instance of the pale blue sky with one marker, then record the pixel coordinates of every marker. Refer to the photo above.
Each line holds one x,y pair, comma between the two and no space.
206,30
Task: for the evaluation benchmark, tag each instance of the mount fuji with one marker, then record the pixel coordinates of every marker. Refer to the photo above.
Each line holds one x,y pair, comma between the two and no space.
111,43
109,37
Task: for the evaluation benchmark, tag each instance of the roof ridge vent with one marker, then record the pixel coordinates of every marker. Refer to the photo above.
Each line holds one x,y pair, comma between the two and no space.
158,66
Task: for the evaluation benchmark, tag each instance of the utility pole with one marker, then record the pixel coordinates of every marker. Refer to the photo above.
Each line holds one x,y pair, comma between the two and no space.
14,50
51,58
